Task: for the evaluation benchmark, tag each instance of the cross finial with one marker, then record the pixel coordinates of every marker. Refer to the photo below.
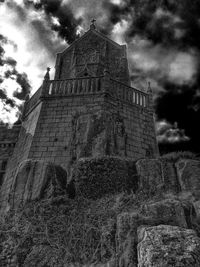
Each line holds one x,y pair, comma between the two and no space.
92,25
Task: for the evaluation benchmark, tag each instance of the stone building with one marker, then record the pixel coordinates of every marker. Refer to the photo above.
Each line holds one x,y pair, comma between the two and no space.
89,109
8,139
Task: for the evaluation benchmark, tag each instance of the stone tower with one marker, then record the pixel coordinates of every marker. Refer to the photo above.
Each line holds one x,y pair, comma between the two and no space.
88,110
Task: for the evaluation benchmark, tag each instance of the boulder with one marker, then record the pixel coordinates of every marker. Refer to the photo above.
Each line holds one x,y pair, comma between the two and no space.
166,245
168,211
156,175
188,172
36,179
95,177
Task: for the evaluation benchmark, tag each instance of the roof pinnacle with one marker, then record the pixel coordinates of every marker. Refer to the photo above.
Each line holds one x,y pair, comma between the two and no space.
149,89
47,77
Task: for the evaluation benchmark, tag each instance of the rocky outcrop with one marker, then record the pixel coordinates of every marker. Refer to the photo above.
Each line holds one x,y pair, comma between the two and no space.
169,212
166,246
95,177
42,256
137,214
188,172
156,175
35,180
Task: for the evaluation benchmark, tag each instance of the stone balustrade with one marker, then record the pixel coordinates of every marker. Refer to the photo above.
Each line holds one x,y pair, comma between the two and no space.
130,94
76,86
87,86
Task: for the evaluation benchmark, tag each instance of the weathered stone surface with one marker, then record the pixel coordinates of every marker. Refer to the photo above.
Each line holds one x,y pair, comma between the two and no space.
156,175
96,177
8,254
126,238
44,255
150,174
166,246
35,180
97,134
189,176
108,264
169,211
197,208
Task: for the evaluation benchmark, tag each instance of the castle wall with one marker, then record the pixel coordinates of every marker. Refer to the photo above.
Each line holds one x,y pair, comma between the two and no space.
54,132
94,113
8,139
64,129
138,126
20,152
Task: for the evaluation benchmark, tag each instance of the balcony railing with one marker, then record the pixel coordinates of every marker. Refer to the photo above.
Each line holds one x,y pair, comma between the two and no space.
87,86
77,86
129,94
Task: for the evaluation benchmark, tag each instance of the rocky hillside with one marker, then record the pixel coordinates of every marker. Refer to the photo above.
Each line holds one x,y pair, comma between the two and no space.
113,212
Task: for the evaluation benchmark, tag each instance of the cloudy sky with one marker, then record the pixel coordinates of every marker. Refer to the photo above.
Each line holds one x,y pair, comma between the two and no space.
163,41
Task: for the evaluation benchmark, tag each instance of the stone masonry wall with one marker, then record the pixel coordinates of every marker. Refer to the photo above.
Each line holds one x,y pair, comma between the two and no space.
20,152
52,138
8,139
63,129
139,128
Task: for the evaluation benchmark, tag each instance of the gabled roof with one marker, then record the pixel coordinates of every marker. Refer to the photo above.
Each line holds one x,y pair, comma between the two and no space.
101,35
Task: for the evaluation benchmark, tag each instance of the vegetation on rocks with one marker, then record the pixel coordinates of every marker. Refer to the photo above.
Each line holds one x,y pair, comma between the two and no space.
104,229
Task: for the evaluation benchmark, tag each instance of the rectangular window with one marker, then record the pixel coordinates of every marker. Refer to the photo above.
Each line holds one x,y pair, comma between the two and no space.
3,165
1,178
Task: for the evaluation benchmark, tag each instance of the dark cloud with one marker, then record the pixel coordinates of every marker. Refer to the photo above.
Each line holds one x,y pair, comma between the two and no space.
10,61
161,21
3,40
44,36
6,100
12,73
182,105
22,80
59,16
172,26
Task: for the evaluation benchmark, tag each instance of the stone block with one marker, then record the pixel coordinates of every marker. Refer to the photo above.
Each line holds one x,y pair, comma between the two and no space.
168,211
35,180
166,246
156,174
188,172
96,177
